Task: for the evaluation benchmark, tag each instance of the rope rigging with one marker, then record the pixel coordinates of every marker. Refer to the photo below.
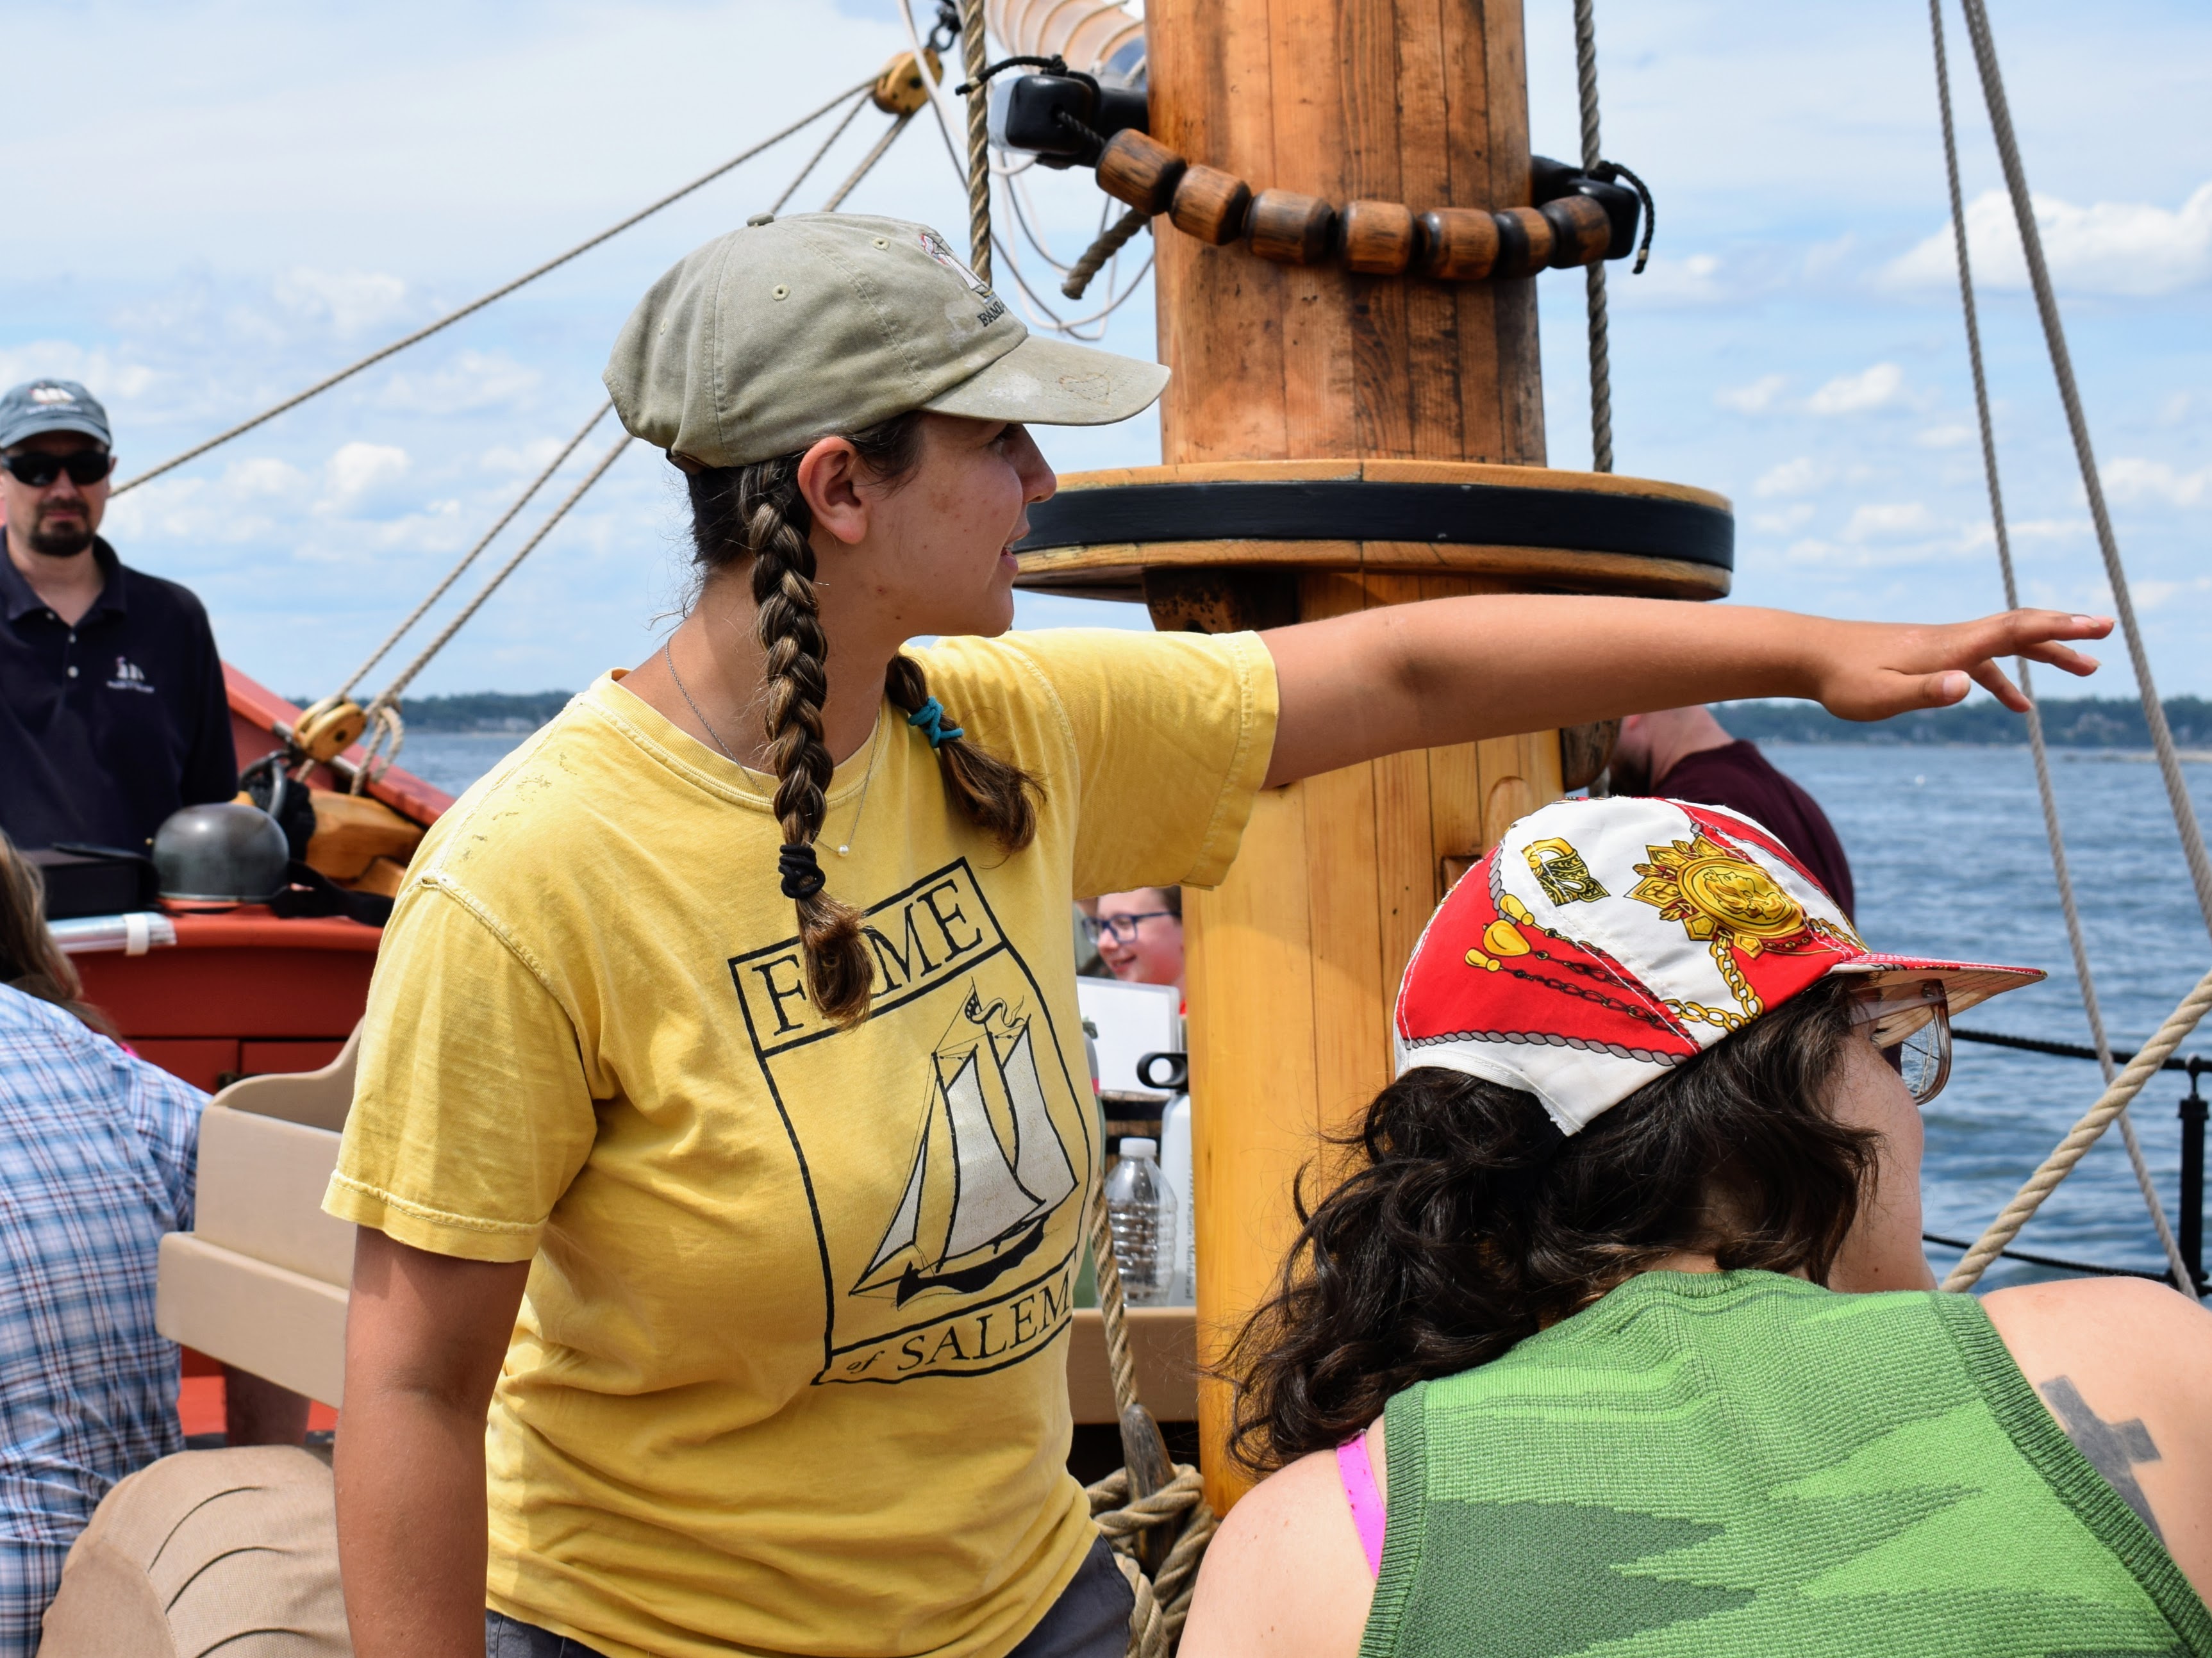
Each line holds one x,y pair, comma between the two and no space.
334,722
1600,369
383,710
477,304
2053,832
2084,1134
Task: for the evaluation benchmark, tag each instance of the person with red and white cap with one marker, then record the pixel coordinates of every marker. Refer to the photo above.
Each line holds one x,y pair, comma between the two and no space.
1628,1280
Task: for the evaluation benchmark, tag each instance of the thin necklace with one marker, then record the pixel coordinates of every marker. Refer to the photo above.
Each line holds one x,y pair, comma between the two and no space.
668,654
875,744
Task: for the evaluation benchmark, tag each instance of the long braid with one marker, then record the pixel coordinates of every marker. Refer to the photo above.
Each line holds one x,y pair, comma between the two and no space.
774,516
756,512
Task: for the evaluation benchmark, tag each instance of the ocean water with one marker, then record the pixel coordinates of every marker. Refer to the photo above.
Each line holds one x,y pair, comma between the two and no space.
1948,849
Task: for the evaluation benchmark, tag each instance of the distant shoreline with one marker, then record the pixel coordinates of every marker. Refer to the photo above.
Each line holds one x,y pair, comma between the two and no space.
2112,724
2090,722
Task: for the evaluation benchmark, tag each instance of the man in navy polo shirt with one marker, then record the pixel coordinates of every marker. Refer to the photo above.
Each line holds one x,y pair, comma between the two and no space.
113,713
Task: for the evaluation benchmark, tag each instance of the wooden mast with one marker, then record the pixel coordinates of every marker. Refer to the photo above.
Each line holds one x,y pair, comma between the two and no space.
1294,960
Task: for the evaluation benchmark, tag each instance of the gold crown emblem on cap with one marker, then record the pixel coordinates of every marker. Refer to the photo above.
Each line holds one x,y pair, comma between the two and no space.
1717,895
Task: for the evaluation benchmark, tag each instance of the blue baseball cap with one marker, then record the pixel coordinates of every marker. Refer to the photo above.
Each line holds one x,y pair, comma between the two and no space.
39,406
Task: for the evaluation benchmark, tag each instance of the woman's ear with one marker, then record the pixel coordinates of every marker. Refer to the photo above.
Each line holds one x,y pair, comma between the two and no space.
828,474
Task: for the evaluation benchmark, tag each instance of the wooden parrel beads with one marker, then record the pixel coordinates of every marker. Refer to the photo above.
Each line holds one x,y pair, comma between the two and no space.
1378,237
1456,244
1290,228
1524,242
1581,231
1210,205
1141,170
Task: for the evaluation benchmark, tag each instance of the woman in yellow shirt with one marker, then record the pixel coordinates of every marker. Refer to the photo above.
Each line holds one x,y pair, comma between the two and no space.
740,1180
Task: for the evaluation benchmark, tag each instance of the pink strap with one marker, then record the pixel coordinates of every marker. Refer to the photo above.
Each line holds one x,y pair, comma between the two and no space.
1354,1468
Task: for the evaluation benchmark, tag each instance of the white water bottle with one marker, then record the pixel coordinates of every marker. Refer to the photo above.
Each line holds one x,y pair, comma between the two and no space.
1141,1210
1174,1164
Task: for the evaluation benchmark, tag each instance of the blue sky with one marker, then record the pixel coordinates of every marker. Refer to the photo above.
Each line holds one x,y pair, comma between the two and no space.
222,202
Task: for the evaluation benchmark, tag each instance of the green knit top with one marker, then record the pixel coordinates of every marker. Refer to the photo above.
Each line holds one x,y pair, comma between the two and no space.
1710,1464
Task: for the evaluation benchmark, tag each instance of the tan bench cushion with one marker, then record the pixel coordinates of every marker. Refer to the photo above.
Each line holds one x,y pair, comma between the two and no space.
231,1552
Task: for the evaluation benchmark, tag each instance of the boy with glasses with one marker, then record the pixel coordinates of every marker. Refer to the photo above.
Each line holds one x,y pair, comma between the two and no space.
112,712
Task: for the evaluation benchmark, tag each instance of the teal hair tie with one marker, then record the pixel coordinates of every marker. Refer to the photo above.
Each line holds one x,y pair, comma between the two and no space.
931,718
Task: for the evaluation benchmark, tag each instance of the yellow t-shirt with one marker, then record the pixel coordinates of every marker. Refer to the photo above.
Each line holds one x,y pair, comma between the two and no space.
789,1376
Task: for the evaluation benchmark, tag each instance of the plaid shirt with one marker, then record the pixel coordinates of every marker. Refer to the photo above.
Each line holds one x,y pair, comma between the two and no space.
96,1162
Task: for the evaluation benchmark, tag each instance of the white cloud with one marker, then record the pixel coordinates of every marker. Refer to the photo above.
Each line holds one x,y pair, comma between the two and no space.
1853,394
473,379
1886,519
349,300
2133,482
107,378
1792,477
263,476
358,472
1752,398
2107,247
1781,522
1679,281
1945,437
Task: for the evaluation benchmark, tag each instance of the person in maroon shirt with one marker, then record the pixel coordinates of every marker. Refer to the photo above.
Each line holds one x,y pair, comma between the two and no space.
1684,754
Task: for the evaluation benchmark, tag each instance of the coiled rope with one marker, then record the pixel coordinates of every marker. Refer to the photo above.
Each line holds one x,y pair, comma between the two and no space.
2052,831
1601,368
477,304
2146,1065
1170,1524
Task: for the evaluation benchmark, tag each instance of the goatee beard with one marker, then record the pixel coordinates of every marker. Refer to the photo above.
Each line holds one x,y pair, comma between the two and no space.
60,543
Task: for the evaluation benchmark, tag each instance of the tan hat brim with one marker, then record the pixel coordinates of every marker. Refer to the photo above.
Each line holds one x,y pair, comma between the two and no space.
1965,984
1048,382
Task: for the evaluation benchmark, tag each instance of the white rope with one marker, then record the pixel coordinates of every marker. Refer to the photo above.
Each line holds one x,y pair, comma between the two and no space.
1601,374
470,557
2062,365
2083,1135
502,292
2053,833
1037,312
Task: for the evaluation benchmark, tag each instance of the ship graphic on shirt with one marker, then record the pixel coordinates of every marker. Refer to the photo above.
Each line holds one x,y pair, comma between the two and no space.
943,1146
989,1168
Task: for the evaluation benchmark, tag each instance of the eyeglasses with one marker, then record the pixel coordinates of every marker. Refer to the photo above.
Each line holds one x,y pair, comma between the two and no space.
1911,1026
1122,928
38,468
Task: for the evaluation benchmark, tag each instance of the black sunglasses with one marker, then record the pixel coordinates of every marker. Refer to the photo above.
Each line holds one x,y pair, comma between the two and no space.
38,469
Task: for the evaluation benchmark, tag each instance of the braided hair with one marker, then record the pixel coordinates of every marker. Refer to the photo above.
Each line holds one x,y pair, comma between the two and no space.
756,513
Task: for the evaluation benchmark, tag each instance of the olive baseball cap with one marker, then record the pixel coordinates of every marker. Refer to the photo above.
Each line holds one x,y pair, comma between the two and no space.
773,336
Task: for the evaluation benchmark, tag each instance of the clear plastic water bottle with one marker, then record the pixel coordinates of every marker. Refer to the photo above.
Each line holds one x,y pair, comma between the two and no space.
1140,1207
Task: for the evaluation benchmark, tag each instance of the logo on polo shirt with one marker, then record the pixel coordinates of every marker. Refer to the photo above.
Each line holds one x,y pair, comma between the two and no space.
128,677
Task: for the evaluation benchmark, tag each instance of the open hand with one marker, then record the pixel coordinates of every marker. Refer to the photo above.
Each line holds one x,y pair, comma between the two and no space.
1872,670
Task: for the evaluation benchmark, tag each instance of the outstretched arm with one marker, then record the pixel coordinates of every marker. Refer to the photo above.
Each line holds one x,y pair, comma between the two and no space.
1454,669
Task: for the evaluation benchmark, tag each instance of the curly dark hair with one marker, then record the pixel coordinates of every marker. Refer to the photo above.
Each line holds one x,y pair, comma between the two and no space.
1470,1223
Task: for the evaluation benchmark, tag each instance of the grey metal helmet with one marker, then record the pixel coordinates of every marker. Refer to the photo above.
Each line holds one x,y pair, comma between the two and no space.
229,852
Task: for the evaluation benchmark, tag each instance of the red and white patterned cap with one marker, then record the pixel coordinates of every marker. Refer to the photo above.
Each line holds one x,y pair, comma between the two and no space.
1601,942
